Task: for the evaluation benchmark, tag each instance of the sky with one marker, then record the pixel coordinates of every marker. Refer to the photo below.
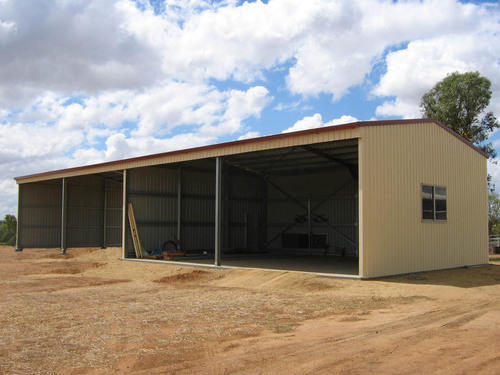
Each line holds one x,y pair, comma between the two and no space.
88,81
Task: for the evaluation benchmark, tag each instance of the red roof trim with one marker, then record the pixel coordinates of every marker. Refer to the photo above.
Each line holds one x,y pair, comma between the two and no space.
352,125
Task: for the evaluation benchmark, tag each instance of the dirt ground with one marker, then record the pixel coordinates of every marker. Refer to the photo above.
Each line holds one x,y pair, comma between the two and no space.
90,313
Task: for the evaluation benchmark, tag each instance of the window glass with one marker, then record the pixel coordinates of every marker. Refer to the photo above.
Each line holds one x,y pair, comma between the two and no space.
441,215
427,203
434,203
440,202
428,215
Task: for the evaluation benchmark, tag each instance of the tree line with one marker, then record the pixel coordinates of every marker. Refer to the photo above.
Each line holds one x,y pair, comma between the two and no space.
8,230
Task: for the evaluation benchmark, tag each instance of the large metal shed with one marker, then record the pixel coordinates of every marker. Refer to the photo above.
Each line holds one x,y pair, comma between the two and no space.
365,199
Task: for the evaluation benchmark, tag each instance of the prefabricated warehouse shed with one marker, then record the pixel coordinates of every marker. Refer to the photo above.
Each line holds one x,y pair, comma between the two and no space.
365,199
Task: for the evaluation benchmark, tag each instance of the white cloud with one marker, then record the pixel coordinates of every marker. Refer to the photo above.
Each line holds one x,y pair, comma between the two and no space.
240,106
249,135
416,69
119,146
68,47
316,121
50,134
329,46
165,107
308,122
8,197
494,171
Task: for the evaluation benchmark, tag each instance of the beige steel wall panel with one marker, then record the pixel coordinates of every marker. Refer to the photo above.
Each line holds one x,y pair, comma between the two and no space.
188,155
394,162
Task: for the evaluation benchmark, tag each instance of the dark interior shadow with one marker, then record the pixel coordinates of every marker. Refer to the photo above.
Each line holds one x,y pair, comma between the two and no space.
464,277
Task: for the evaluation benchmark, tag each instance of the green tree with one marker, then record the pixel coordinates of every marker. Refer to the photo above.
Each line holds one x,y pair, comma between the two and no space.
8,230
493,214
459,101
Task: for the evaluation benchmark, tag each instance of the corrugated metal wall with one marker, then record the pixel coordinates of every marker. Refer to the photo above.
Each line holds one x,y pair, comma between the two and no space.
245,211
113,212
85,211
152,192
198,205
41,207
40,214
394,162
340,210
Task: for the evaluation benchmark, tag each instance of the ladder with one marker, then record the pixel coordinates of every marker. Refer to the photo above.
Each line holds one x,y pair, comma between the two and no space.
134,232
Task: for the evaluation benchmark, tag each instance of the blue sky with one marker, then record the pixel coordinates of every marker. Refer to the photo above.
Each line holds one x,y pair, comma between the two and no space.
88,81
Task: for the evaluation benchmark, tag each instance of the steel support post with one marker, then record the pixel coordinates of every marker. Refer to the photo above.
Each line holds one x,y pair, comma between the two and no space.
179,207
245,230
218,209
104,216
19,219
124,214
309,224
64,199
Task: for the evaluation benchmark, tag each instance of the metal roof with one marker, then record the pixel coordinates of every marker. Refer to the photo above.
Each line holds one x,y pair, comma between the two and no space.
246,145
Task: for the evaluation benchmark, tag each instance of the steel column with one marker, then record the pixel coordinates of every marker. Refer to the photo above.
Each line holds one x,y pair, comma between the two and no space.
64,199
105,216
19,219
218,209
309,225
179,207
125,214
245,230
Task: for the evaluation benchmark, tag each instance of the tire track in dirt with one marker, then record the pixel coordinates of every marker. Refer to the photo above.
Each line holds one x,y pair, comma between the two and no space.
312,349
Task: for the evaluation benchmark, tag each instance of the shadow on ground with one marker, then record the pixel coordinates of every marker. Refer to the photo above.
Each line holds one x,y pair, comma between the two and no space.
464,277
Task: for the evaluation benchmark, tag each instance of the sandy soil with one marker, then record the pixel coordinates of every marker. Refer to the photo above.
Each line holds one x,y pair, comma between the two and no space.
90,313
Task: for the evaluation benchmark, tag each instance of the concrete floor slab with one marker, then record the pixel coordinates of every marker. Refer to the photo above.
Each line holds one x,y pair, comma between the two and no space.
301,263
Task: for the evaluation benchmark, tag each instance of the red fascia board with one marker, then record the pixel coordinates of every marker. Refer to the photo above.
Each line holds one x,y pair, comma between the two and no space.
351,125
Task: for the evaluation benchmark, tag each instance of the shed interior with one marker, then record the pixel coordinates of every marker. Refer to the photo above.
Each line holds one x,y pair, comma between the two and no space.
293,208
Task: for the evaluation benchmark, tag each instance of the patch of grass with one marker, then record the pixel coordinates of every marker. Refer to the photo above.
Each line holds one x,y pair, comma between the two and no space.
281,327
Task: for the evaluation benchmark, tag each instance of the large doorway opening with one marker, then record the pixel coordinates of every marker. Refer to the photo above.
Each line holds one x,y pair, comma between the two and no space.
292,208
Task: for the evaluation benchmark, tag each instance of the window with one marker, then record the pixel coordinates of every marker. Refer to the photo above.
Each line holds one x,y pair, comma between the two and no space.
434,203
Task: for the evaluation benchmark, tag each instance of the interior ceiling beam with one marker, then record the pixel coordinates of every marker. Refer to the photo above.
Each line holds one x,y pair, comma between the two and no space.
352,168
307,170
285,170
287,164
245,169
277,159
265,155
303,157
